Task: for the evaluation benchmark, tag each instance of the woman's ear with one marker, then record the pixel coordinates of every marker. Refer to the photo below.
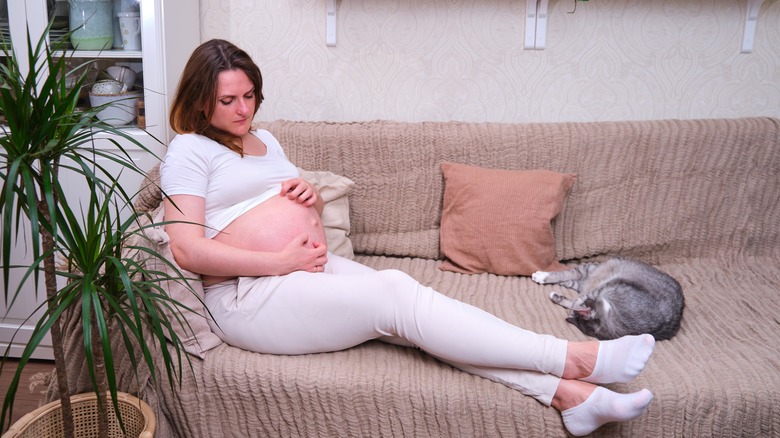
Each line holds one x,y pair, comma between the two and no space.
202,108
203,114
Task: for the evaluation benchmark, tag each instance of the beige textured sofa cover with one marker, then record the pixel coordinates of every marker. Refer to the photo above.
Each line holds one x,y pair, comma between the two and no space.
700,199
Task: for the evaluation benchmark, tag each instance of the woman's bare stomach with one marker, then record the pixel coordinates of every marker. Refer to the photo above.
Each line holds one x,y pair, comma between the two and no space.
269,227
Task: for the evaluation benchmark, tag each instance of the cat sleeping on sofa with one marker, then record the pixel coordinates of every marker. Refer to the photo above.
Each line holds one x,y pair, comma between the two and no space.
619,297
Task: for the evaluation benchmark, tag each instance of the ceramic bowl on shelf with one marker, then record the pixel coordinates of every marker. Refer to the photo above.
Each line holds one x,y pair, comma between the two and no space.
123,74
107,87
116,109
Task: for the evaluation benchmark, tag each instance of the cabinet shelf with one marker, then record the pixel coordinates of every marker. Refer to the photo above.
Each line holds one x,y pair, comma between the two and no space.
88,54
107,54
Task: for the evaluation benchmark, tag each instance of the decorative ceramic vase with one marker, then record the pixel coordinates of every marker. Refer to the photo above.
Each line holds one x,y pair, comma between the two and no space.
92,24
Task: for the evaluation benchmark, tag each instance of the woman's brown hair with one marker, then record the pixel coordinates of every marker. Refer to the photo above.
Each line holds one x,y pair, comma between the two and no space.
197,92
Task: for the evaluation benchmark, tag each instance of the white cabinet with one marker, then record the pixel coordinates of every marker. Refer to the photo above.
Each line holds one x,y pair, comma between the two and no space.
170,30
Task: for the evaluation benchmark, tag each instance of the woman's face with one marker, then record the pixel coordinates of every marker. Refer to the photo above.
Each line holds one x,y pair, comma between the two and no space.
234,109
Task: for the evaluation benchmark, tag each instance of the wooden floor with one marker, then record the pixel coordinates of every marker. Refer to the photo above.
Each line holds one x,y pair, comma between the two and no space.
25,400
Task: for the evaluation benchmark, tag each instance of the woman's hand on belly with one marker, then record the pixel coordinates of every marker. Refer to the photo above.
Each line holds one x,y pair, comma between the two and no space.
302,192
300,254
290,229
295,239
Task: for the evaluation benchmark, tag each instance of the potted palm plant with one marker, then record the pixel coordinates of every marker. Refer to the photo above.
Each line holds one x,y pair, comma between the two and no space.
89,246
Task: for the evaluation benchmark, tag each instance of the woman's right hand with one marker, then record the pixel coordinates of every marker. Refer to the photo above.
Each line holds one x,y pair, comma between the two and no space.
302,255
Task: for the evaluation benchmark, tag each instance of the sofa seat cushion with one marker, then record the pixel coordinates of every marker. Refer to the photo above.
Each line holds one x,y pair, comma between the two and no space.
709,372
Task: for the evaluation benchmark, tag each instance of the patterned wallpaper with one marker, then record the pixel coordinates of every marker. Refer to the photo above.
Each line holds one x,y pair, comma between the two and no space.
438,60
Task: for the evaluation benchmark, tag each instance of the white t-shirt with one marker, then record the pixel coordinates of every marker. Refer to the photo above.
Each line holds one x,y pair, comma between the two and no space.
231,185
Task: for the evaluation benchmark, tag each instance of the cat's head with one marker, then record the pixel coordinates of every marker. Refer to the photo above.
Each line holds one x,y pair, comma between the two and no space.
587,316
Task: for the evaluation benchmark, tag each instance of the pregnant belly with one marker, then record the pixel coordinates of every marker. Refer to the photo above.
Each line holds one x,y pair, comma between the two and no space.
271,225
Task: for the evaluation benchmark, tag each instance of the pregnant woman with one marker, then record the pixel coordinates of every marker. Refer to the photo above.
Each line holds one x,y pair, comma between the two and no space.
246,221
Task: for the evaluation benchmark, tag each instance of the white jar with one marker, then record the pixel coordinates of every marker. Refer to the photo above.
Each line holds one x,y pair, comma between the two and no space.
122,6
130,28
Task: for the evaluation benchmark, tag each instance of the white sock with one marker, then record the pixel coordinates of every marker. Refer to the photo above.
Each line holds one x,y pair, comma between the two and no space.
605,406
621,360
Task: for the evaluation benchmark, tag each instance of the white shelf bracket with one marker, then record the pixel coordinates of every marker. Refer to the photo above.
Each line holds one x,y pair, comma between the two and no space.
330,24
541,24
535,24
530,24
749,38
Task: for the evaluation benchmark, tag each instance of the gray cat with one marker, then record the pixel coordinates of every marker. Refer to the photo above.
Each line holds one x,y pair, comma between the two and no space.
619,297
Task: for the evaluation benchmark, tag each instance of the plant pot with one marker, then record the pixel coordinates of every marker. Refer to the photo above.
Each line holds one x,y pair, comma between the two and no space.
46,421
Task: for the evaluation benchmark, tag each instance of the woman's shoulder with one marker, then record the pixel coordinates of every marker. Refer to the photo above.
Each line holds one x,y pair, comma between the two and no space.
264,135
269,140
190,138
194,143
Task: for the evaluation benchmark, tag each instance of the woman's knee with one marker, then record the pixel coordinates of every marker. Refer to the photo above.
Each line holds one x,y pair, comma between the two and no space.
402,288
397,280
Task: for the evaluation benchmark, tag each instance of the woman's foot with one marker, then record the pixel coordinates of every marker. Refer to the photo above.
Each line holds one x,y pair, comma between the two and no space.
616,361
585,407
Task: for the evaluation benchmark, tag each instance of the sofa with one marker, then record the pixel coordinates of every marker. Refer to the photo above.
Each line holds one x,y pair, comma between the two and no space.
699,199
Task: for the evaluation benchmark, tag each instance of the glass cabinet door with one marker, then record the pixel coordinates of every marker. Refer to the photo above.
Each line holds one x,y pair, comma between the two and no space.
4,15
170,30
5,29
57,14
5,40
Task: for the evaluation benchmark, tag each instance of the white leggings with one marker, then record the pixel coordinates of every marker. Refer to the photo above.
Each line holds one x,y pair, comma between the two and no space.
350,303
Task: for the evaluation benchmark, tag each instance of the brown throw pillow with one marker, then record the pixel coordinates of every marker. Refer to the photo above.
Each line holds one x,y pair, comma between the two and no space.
498,221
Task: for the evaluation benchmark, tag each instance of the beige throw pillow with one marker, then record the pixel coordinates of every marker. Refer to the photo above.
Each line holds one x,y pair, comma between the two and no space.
335,214
499,221
194,331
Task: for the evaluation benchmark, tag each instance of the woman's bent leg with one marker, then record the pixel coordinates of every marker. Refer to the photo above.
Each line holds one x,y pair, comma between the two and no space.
308,313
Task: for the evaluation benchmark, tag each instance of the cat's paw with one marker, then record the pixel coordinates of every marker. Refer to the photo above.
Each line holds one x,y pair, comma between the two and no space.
539,276
556,298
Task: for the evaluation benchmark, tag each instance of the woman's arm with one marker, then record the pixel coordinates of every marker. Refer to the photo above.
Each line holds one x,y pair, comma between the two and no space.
197,253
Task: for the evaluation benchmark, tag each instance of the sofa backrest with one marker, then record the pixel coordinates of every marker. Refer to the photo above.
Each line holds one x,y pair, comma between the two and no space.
651,189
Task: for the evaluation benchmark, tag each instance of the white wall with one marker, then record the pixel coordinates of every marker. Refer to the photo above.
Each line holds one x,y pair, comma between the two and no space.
436,60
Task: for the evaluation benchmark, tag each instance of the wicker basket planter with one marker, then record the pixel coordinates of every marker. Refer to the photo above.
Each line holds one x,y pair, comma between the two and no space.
46,421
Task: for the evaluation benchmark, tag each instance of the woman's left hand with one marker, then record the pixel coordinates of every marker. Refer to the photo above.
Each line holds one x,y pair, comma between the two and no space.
300,191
